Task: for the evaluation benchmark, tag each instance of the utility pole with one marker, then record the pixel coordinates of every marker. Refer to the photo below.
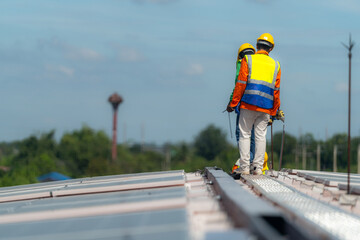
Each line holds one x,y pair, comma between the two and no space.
142,136
349,48
335,158
358,159
297,156
272,148
326,134
115,100
168,158
124,134
304,157
318,157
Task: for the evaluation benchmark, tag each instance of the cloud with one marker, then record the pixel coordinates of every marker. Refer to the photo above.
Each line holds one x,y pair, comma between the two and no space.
154,1
52,43
259,1
69,51
128,54
60,69
83,54
341,87
194,69
345,5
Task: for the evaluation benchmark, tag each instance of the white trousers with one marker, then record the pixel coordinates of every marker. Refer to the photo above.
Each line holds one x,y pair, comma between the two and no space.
260,121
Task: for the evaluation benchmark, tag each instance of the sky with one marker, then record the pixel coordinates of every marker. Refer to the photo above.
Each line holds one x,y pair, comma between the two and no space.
173,62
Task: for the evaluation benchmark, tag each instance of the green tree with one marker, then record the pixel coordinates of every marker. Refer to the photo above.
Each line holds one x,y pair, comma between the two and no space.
180,153
210,142
341,141
98,167
36,156
7,150
79,148
288,150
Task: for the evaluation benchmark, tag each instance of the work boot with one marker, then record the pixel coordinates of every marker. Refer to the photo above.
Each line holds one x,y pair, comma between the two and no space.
257,172
252,168
242,172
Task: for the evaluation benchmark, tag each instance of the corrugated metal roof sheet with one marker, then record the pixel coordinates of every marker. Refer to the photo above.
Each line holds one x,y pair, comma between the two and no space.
135,206
159,205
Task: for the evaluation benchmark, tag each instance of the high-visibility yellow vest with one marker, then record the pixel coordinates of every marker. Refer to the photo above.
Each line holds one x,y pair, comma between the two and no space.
260,86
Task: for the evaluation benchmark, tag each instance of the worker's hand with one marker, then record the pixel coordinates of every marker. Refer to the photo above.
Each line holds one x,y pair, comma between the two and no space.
229,109
270,122
280,115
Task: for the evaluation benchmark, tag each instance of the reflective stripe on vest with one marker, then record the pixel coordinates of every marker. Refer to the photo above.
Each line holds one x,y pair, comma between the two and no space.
260,86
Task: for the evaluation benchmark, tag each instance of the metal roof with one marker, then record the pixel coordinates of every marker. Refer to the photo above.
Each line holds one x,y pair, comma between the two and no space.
178,205
135,206
159,205
334,222
328,178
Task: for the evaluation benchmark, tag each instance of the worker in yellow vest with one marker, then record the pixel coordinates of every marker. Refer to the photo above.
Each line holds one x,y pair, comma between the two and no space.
258,91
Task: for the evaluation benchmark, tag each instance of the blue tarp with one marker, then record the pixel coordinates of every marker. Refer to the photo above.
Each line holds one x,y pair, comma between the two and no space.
53,176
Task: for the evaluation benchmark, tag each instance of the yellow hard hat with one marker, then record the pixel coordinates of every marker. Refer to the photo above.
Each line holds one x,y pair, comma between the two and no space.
245,46
267,37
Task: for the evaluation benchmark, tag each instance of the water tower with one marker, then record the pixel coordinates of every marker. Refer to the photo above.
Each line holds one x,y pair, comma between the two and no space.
115,101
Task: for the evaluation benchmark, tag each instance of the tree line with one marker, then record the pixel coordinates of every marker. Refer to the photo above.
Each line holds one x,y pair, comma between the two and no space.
87,152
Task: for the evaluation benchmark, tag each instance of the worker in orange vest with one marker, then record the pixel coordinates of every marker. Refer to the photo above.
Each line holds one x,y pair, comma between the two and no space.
244,49
258,92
